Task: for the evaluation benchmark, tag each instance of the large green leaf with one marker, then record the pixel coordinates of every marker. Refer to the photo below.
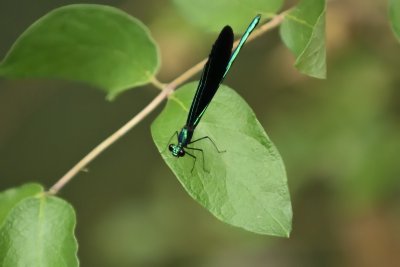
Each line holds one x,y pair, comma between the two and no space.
245,186
303,32
394,15
11,197
98,45
38,231
213,15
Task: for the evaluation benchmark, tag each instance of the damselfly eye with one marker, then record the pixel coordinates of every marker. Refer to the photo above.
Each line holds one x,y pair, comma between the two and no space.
181,153
171,147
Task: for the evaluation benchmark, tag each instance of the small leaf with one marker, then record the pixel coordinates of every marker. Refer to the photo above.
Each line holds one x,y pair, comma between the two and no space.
39,232
245,186
11,197
213,15
303,32
394,15
98,45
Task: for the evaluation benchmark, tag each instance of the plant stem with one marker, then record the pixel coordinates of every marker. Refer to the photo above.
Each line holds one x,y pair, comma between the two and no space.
157,83
166,91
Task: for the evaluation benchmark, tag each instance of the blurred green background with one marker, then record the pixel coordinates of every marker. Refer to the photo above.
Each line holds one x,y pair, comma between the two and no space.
339,138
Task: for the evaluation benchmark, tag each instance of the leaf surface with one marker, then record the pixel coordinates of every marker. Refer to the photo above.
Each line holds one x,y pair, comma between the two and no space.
245,186
98,45
37,231
303,32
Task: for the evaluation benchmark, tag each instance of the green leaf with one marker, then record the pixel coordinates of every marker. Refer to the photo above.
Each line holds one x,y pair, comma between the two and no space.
394,15
245,186
38,231
11,197
98,45
303,32
213,15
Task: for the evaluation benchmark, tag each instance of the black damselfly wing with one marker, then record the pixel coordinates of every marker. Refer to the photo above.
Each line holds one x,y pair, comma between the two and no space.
212,76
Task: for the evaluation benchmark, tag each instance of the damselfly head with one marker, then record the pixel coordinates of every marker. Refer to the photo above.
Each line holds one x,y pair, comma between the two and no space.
176,150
